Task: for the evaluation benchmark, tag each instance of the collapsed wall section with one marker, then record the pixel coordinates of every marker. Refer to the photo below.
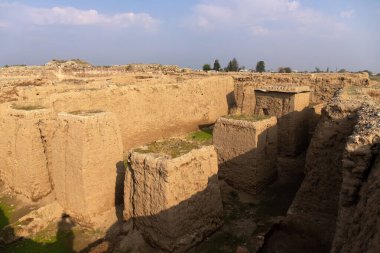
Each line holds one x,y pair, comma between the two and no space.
86,149
175,202
23,160
247,151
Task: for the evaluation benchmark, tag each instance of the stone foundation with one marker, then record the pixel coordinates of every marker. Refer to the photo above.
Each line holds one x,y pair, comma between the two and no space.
175,202
86,149
247,152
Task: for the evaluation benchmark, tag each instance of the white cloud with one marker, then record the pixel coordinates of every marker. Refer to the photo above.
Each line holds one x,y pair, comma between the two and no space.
347,14
263,17
72,16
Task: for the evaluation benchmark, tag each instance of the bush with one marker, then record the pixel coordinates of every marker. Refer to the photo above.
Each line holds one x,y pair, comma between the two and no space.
206,67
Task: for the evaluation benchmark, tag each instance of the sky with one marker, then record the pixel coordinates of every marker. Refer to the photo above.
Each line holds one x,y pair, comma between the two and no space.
301,34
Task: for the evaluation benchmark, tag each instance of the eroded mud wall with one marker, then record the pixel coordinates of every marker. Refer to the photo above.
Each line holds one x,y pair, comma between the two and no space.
175,203
246,152
86,150
323,85
293,115
310,222
358,222
23,158
150,112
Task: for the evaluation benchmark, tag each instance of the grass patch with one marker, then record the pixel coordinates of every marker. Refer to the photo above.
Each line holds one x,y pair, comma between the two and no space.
86,112
203,136
5,214
171,147
252,118
176,147
28,107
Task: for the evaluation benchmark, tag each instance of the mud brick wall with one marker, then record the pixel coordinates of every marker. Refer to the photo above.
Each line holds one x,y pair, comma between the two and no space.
175,203
23,161
246,152
86,149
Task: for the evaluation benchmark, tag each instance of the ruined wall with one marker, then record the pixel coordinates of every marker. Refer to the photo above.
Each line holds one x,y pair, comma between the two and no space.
175,203
323,85
23,161
86,149
293,118
358,221
310,222
247,152
153,111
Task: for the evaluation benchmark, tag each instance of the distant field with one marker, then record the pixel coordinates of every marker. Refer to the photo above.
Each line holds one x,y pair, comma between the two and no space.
375,78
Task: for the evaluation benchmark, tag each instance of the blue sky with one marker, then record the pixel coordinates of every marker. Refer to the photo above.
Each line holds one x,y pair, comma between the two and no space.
301,34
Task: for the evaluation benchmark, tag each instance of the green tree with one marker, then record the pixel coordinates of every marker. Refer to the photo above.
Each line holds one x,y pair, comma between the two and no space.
342,71
206,67
233,65
216,65
284,70
260,66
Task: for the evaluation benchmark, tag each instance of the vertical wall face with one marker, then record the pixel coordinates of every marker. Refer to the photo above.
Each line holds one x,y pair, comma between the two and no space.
293,118
175,203
22,153
86,149
247,152
148,112
357,227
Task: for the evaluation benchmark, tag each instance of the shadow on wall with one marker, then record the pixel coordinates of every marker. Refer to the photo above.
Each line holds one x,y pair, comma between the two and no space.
231,102
295,130
175,229
311,220
119,190
241,166
63,242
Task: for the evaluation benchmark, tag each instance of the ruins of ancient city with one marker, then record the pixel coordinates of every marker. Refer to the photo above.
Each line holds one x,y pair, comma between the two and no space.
154,158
